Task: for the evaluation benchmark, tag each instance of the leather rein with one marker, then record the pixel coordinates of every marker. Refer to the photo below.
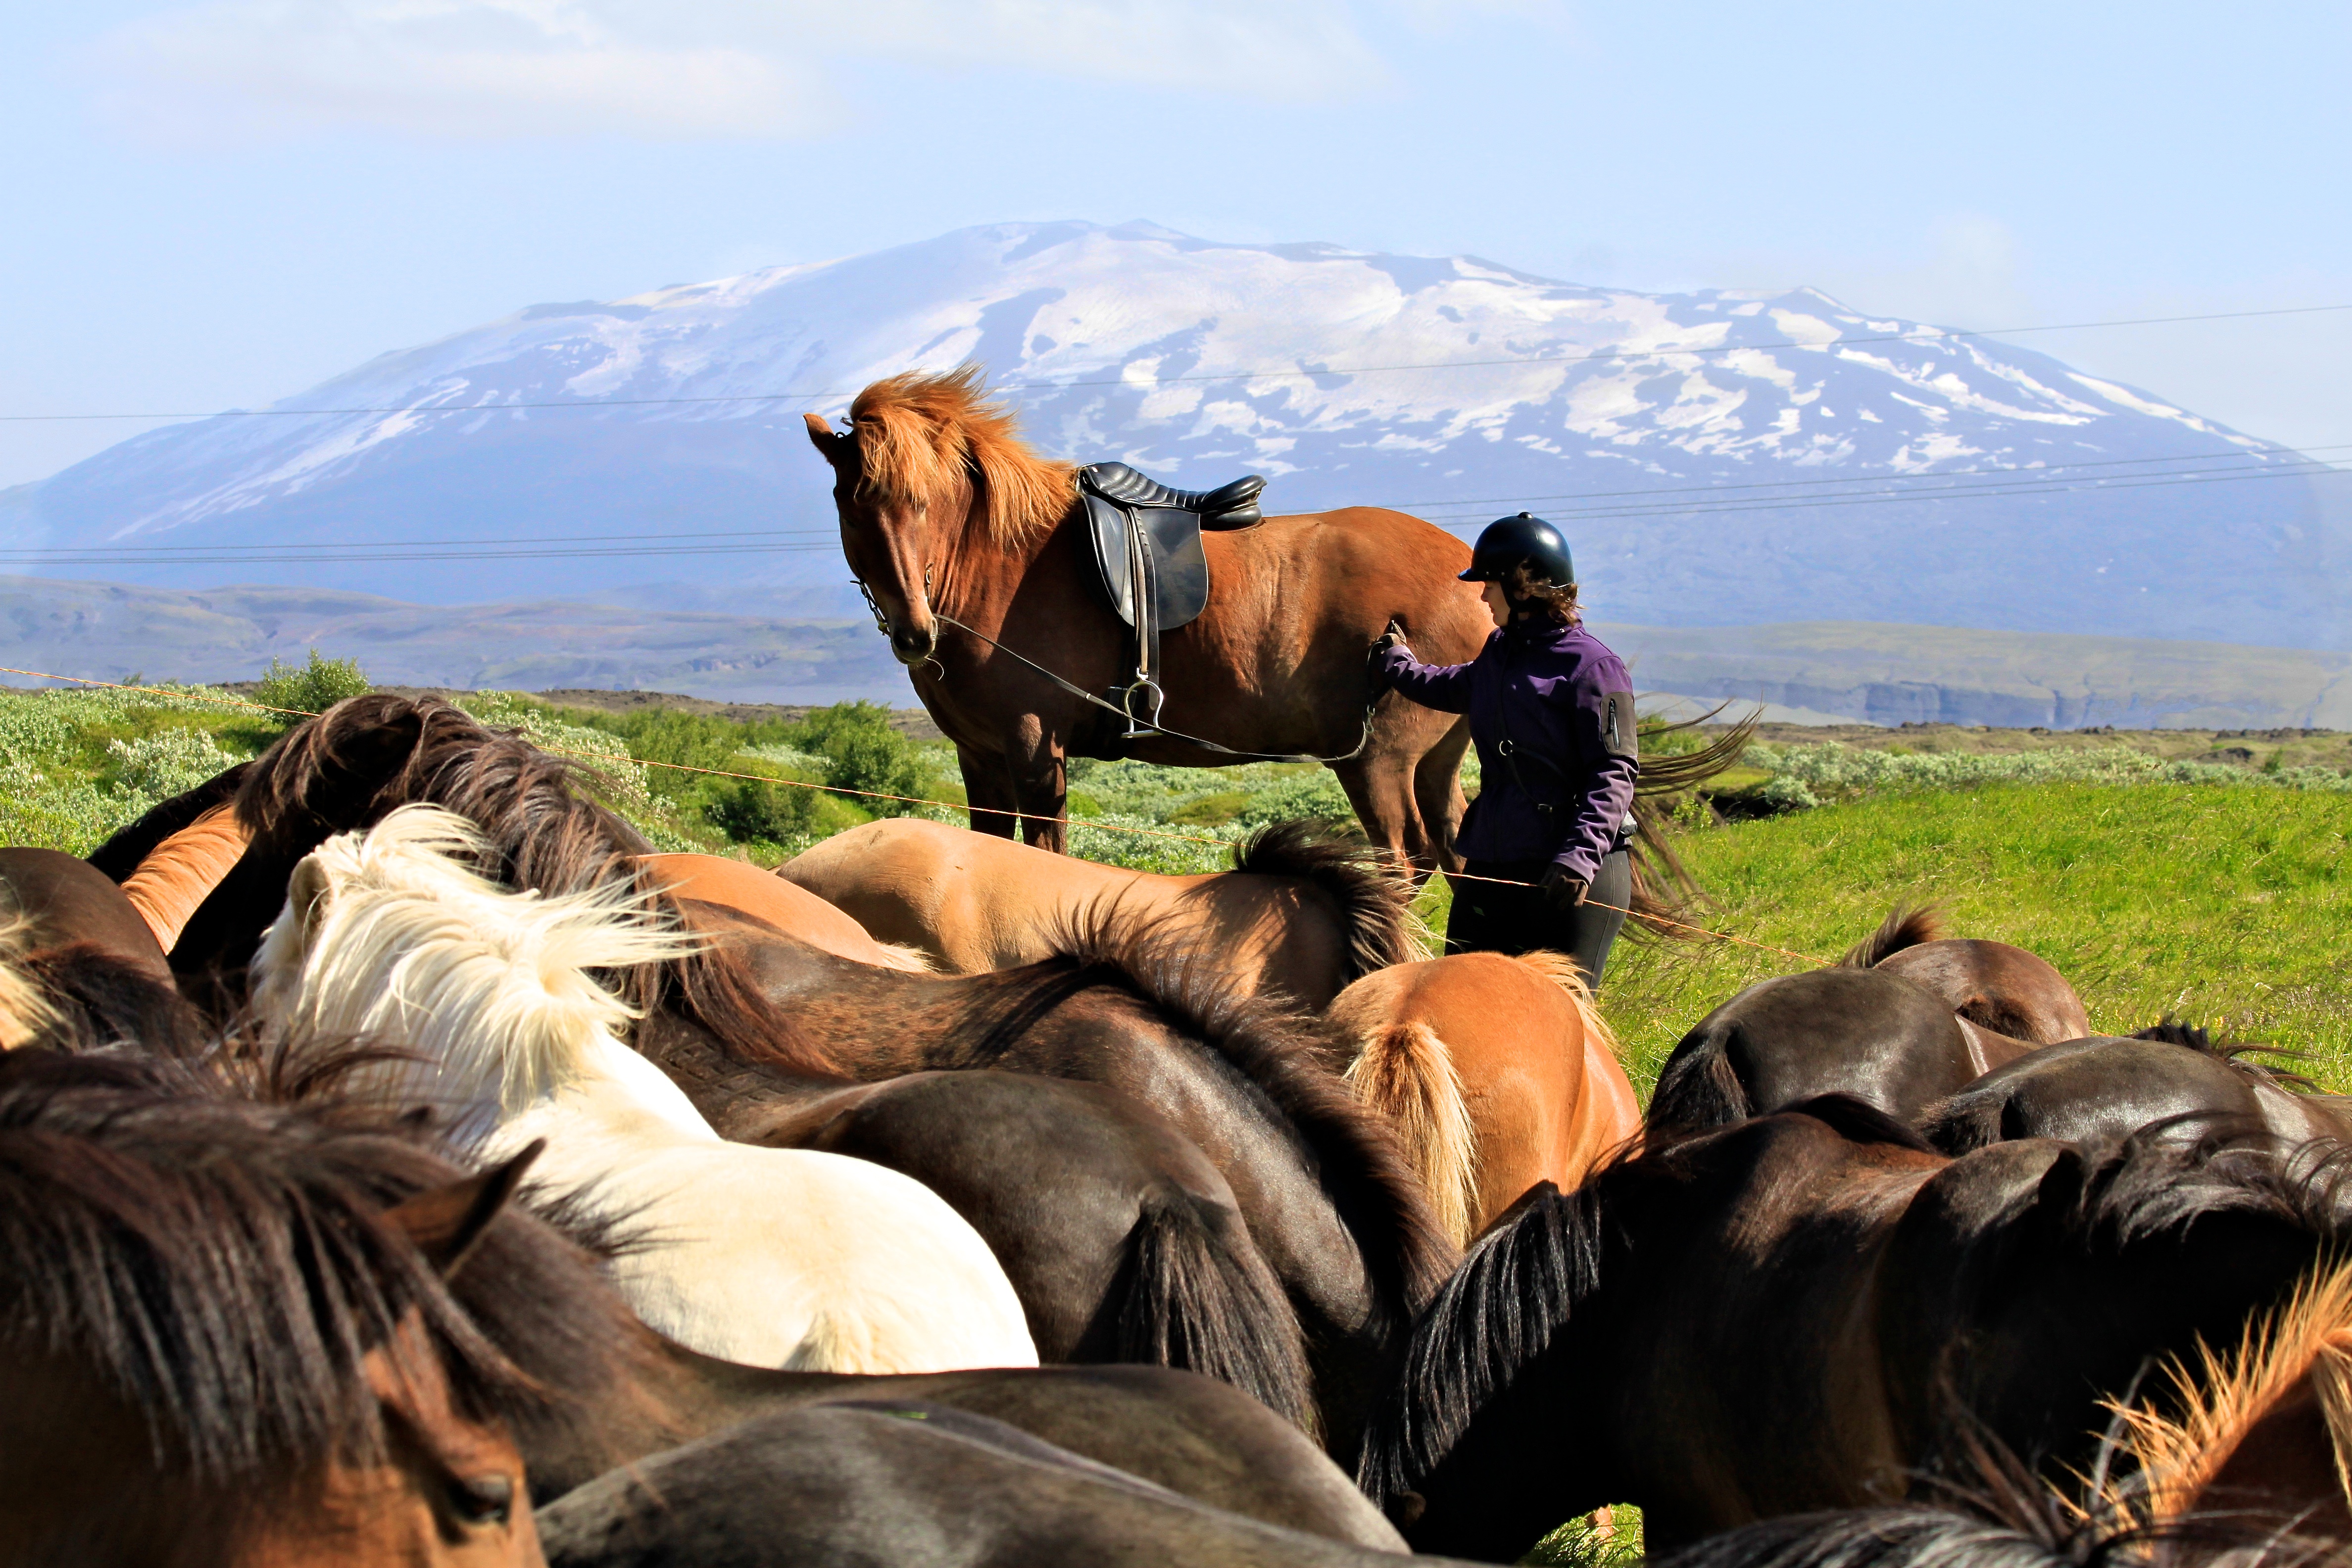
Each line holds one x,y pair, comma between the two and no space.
1134,726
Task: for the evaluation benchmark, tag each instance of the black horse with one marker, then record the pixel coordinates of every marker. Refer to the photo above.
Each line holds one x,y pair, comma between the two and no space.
1803,1312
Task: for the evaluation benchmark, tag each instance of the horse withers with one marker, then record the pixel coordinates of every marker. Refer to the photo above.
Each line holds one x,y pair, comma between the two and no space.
975,551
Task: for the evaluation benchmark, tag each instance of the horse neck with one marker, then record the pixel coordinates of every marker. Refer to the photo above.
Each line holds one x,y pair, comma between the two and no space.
978,576
612,1085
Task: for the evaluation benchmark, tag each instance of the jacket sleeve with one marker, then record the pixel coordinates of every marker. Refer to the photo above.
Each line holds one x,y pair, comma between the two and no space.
1602,724
1444,687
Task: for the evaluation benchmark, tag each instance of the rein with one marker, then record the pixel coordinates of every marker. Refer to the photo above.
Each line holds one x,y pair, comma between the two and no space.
1136,726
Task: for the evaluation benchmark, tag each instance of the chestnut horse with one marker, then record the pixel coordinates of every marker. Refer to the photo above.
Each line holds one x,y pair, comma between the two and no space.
975,553
1297,913
1534,1092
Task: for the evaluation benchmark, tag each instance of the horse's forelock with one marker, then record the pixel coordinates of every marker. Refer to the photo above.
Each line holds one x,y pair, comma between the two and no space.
919,431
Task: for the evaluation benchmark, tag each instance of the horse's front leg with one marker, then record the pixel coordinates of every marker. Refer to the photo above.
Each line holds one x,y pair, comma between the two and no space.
992,807
1041,783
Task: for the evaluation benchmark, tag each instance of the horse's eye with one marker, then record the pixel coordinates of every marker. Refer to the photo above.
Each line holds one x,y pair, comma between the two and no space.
482,1500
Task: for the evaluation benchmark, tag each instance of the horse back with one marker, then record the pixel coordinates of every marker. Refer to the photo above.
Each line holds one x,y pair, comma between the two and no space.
182,871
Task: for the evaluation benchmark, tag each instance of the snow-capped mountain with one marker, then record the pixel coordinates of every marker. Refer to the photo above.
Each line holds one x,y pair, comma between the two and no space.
1715,457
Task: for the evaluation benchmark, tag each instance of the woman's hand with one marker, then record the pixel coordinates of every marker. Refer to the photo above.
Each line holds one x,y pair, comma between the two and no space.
1393,638
1561,889
1376,658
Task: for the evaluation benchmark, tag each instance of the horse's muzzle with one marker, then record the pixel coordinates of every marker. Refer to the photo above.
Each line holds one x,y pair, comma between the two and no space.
912,647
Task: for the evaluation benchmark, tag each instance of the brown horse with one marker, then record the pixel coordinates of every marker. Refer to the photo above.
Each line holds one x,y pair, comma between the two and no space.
1537,1093
1297,913
2008,1000
974,550
180,872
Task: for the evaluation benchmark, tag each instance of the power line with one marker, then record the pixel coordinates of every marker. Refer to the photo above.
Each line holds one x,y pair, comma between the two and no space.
1924,334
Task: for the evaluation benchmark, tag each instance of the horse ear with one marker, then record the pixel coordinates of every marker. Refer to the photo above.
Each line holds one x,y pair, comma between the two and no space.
306,896
445,1223
832,442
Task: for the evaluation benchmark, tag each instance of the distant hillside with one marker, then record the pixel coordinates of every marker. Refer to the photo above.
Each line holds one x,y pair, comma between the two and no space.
1854,670
1718,458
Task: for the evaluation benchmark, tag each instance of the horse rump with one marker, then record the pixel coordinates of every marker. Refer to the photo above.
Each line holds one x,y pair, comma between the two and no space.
1699,1088
1195,1294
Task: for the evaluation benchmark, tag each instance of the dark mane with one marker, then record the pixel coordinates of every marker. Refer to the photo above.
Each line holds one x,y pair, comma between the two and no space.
2148,1184
1375,903
1904,927
102,999
2198,1038
223,1264
352,766
1519,1285
121,853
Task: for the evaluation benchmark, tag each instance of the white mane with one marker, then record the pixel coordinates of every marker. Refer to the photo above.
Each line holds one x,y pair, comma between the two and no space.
392,935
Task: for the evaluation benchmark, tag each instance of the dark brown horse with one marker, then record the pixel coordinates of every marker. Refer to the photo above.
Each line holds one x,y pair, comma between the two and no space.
1808,1310
87,960
947,515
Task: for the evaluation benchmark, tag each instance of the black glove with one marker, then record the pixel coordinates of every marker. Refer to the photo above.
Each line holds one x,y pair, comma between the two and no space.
1561,890
1375,658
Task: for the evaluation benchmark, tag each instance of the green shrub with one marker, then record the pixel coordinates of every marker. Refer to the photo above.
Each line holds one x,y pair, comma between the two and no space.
862,752
310,688
748,811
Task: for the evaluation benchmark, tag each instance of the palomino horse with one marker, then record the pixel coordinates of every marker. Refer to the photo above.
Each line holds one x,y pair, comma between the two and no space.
1297,913
1536,1091
974,550
1814,1310
774,1257
241,1336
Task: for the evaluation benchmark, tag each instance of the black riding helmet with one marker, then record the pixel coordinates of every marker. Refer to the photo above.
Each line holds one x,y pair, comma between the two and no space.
1508,540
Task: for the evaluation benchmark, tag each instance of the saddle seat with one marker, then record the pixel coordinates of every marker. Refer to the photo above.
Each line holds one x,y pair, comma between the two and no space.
1231,505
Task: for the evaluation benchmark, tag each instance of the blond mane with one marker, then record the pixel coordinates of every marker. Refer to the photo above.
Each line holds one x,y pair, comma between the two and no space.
24,1012
917,432
2221,1398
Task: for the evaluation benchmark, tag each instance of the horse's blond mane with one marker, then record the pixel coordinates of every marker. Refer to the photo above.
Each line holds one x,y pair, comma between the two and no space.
393,936
918,431
2221,1398
24,1012
1561,971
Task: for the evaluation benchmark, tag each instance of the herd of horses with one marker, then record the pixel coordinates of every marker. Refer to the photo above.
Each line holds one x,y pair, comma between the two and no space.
401,1162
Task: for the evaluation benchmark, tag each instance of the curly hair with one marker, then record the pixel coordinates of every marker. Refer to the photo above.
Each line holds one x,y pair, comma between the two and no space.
1529,589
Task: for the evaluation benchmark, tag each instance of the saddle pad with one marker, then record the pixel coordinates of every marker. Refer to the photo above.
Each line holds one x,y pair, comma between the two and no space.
1175,540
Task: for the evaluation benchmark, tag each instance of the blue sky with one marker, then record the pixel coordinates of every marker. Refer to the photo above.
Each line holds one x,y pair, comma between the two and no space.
217,204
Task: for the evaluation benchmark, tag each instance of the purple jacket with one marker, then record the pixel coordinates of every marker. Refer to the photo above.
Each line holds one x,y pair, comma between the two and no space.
1567,705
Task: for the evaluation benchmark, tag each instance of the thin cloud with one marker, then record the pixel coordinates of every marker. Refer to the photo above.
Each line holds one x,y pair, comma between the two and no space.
723,69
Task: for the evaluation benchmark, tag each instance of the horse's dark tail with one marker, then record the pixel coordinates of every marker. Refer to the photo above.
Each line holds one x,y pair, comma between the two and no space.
1374,899
1962,1123
1906,925
1196,1294
1699,1088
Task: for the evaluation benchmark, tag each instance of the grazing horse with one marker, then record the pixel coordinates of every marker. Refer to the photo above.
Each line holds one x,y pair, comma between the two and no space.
774,1257
743,887
946,513
1811,1309
1297,913
237,1335
1497,1072
2105,1086
1903,1019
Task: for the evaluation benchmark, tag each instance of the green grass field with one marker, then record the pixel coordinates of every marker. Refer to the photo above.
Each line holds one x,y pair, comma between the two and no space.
2228,907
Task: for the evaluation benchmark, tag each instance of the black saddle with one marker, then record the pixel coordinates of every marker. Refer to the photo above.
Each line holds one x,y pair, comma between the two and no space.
1147,543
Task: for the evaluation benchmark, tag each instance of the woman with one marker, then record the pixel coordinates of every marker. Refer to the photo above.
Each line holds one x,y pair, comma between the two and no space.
1551,711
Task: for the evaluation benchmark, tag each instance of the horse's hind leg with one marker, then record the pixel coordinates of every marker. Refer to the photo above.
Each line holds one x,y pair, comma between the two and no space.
988,790
1437,792
1384,784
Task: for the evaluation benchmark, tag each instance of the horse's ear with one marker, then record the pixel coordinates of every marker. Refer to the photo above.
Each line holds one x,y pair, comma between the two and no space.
306,898
834,443
444,1223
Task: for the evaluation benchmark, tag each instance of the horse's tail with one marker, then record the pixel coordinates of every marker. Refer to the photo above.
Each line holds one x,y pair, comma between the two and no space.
1195,1293
1906,925
1405,1072
1699,1088
1374,899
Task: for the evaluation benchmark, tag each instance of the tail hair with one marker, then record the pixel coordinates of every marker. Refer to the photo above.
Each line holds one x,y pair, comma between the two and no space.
1697,1089
1196,1294
1405,1072
1906,926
